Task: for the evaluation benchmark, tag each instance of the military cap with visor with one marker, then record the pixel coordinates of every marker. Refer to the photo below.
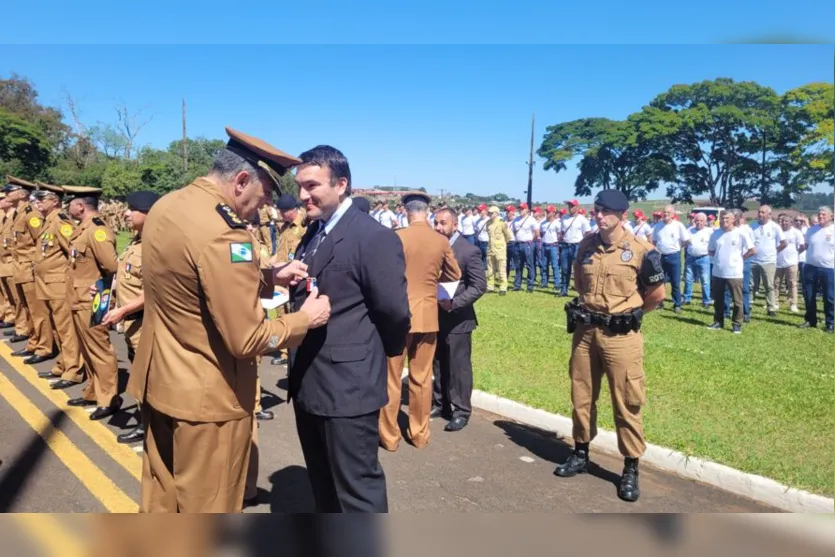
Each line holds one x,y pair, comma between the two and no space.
611,200
416,196
261,154
81,192
13,184
45,190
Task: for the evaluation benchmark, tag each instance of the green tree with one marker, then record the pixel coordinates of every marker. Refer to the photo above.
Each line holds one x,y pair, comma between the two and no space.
24,149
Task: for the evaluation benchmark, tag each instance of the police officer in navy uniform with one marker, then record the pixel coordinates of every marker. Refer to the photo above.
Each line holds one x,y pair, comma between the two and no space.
619,278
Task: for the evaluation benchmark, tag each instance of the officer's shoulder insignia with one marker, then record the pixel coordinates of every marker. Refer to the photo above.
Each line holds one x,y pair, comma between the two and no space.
63,216
100,235
97,221
240,252
35,222
28,210
230,216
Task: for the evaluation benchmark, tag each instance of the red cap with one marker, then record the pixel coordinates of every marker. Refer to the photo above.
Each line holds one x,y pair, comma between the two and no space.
482,207
551,209
523,205
711,217
657,214
563,211
572,202
510,209
582,211
638,214
537,210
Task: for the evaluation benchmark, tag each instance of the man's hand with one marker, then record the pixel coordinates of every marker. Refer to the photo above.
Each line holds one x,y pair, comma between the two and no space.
317,308
290,274
113,316
446,305
93,290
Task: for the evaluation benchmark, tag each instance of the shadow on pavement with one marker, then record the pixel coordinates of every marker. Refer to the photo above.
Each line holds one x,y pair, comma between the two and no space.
25,466
291,491
547,446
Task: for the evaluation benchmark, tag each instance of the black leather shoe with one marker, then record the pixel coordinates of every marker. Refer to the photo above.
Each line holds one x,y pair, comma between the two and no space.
264,415
457,424
133,436
35,359
47,375
628,489
6,325
577,463
81,402
278,361
23,353
62,384
18,338
436,412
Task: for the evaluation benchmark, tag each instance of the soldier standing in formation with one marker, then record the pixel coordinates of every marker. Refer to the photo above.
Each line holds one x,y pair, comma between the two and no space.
499,239
618,279
92,258
7,266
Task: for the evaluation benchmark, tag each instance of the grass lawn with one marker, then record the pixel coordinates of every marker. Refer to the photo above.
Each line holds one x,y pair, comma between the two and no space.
761,401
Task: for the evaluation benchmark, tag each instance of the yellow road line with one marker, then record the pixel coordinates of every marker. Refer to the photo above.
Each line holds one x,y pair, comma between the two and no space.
96,481
51,534
98,432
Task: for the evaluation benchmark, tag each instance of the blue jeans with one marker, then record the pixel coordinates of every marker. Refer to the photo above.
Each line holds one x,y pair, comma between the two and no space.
746,291
471,238
512,257
525,251
539,261
671,264
697,268
483,247
550,266
568,252
813,279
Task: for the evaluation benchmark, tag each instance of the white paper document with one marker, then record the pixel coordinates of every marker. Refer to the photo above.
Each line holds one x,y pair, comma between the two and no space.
278,299
446,290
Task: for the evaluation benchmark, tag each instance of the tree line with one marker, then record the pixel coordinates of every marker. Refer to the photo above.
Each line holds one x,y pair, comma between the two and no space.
36,143
723,140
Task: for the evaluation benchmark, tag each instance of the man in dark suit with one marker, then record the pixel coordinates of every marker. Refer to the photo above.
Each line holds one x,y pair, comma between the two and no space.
453,367
337,376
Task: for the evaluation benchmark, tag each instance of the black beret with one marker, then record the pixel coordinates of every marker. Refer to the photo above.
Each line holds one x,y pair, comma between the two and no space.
612,200
142,200
286,202
416,196
362,204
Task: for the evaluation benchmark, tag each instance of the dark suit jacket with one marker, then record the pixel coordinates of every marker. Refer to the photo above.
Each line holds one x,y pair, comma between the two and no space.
462,318
340,370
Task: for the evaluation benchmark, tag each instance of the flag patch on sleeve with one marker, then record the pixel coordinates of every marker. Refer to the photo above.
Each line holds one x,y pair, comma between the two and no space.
241,252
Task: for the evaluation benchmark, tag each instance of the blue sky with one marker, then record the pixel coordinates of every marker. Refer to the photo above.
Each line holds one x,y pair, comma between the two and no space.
437,116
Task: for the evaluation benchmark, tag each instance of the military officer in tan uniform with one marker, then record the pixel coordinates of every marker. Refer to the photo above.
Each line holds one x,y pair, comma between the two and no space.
128,290
92,257
6,265
51,285
26,230
195,370
619,278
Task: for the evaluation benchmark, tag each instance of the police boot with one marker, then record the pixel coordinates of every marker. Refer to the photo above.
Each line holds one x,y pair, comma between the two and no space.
628,489
577,463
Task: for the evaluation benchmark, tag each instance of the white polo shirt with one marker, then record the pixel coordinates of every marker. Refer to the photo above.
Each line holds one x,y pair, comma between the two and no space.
766,239
668,238
574,228
467,226
820,246
550,231
642,230
699,241
728,248
789,257
524,228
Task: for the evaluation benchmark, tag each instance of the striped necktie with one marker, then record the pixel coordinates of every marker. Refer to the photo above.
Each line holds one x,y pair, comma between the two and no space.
314,244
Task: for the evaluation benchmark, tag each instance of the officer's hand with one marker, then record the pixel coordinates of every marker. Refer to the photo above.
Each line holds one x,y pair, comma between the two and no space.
317,308
290,274
446,305
93,290
113,316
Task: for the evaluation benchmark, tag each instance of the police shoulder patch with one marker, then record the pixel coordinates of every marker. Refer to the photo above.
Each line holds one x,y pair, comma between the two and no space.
97,221
100,235
66,230
230,216
240,252
35,222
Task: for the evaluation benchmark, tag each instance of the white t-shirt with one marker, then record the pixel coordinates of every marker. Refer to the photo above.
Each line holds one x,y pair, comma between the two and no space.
387,218
728,248
481,228
524,228
820,246
668,238
574,228
802,257
642,230
766,239
789,256
628,226
699,241
467,226
402,220
550,231
745,229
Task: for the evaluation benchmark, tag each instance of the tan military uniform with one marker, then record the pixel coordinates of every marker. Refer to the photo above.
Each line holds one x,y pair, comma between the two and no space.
289,237
7,272
129,287
609,281
92,257
498,237
51,286
26,231
263,234
195,369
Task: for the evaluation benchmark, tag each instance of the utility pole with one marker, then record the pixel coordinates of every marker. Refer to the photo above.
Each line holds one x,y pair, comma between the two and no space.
530,164
185,139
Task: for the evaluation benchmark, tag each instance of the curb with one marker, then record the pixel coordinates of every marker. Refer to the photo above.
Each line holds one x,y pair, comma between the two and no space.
723,477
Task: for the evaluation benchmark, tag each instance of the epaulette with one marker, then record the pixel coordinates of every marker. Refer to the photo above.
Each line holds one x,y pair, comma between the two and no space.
230,216
28,209
63,216
97,221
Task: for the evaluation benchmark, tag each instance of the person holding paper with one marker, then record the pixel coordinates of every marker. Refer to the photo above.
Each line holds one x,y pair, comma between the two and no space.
453,368
429,260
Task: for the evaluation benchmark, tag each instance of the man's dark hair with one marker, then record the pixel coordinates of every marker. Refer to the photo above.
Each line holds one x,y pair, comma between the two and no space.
90,202
453,217
329,157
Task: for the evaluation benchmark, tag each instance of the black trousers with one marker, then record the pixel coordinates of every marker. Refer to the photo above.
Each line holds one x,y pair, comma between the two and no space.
717,287
452,387
342,463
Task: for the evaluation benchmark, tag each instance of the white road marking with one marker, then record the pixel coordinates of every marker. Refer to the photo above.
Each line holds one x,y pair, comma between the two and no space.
90,409
526,459
138,449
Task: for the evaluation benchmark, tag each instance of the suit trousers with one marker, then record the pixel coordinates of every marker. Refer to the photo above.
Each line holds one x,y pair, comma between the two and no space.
453,371
420,348
342,462
41,341
98,357
193,467
10,293
68,366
